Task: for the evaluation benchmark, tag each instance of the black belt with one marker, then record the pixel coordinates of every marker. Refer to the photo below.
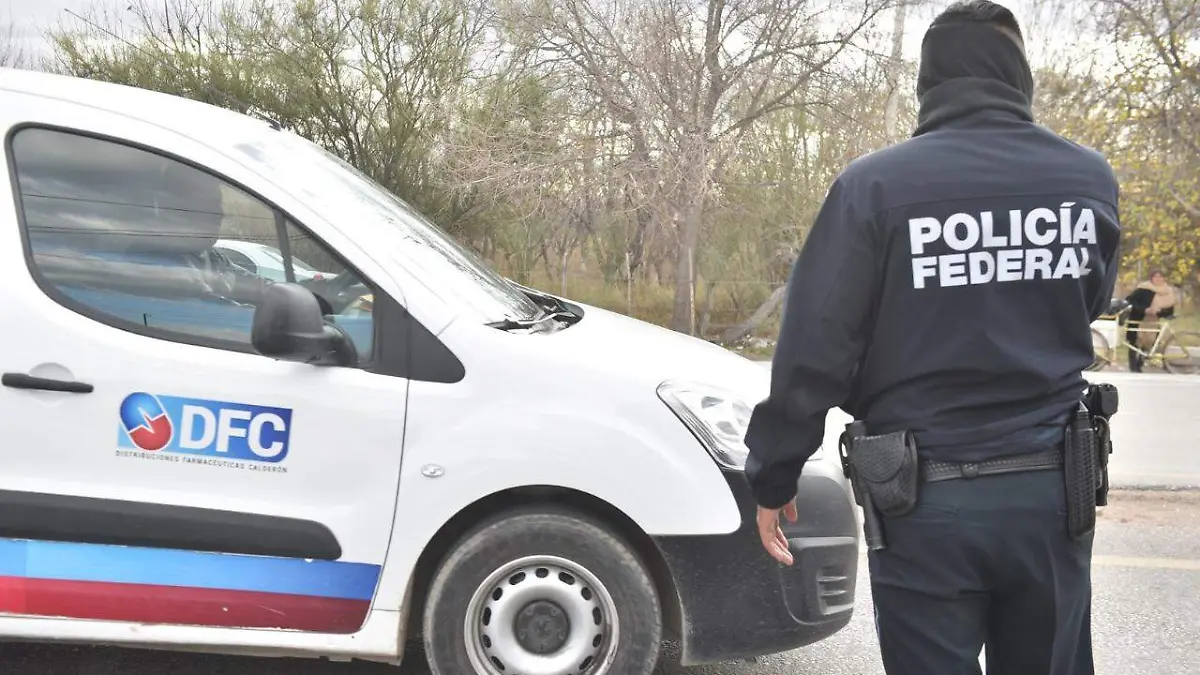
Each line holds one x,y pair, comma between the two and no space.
933,471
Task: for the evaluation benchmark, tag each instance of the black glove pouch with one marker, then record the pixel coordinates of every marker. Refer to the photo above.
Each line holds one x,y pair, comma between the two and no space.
887,469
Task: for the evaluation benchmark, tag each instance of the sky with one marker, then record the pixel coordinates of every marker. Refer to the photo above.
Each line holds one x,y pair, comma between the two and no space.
31,19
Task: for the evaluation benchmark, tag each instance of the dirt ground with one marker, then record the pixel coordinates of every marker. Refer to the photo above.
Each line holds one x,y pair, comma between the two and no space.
1152,507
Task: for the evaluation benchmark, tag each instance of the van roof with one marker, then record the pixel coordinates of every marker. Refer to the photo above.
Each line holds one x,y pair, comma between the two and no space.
203,121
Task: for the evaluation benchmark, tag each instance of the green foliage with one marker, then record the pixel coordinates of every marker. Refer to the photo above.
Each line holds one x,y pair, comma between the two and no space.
1144,114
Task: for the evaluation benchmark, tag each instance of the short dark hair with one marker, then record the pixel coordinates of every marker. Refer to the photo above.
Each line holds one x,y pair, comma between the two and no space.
982,11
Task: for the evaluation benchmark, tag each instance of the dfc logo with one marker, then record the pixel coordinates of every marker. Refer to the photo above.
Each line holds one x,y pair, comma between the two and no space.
146,421
196,426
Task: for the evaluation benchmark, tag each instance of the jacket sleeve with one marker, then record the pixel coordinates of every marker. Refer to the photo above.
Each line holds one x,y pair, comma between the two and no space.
830,296
1109,242
1102,296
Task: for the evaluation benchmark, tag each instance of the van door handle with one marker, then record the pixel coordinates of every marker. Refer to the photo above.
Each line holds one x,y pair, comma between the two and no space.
23,381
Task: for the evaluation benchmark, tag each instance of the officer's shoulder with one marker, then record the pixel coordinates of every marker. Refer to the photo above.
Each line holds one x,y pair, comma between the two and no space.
1099,171
1082,152
885,160
894,163
864,174
881,179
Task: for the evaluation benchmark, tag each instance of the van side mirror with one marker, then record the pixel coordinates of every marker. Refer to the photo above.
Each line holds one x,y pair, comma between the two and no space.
288,325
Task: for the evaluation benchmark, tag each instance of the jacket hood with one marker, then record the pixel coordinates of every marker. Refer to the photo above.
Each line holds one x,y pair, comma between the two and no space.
971,49
969,65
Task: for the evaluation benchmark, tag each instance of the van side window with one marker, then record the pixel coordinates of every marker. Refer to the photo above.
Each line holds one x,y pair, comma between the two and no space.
152,245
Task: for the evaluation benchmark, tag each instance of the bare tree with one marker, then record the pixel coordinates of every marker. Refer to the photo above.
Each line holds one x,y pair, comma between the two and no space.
684,82
1159,50
896,68
660,157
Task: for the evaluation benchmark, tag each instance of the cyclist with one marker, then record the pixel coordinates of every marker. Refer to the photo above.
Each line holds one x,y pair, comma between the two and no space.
1151,300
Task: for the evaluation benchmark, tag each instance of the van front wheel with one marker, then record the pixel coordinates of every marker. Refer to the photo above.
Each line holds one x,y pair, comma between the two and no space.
542,593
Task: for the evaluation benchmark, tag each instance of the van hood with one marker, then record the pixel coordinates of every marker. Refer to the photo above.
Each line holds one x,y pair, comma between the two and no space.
651,353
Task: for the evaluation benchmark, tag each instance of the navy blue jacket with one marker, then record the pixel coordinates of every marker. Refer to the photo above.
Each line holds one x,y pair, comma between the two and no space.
947,287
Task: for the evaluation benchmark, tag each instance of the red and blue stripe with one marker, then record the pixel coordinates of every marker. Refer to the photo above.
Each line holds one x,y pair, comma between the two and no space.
162,586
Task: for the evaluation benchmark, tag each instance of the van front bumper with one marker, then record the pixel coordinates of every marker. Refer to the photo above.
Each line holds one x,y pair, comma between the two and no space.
737,602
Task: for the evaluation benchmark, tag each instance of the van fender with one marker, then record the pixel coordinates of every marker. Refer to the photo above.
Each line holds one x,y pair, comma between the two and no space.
655,473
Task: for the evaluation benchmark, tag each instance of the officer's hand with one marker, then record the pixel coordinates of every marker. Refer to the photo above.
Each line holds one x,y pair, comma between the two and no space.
772,535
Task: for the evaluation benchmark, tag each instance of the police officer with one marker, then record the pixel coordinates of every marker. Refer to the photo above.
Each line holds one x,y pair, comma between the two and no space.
947,288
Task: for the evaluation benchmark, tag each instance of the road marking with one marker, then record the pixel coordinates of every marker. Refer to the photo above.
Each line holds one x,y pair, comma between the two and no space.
1146,563
1136,562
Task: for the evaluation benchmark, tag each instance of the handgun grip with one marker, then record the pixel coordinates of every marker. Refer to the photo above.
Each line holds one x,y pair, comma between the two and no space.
1103,447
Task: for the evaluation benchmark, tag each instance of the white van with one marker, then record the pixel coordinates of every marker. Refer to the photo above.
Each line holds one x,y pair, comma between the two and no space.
200,458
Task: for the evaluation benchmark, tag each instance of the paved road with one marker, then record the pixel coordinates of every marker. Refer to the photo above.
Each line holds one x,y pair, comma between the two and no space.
1147,578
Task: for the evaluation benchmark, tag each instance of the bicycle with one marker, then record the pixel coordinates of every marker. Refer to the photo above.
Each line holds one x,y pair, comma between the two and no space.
1178,352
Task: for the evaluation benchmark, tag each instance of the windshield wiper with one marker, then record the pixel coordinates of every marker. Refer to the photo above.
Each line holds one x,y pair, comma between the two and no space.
554,305
509,323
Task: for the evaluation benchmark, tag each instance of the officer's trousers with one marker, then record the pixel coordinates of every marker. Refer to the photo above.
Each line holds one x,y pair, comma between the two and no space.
984,561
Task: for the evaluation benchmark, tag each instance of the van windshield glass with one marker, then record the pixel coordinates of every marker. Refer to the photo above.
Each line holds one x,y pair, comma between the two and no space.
327,179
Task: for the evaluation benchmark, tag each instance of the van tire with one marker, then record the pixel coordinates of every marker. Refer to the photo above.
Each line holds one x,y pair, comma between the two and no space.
553,540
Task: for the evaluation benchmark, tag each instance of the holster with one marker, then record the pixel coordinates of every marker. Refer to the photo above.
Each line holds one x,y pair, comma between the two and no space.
1087,445
884,473
1080,471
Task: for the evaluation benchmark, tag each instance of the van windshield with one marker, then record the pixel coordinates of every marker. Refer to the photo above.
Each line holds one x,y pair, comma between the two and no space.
328,179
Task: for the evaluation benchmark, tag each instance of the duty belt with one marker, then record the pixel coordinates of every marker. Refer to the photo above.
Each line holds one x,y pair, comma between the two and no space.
932,471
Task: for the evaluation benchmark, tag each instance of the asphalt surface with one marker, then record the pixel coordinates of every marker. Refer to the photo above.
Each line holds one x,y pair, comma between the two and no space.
1146,617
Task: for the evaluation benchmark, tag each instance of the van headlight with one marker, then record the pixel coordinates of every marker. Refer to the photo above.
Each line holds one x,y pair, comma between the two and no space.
717,417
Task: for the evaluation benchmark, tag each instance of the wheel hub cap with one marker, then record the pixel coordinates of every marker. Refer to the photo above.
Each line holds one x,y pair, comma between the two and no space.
542,627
